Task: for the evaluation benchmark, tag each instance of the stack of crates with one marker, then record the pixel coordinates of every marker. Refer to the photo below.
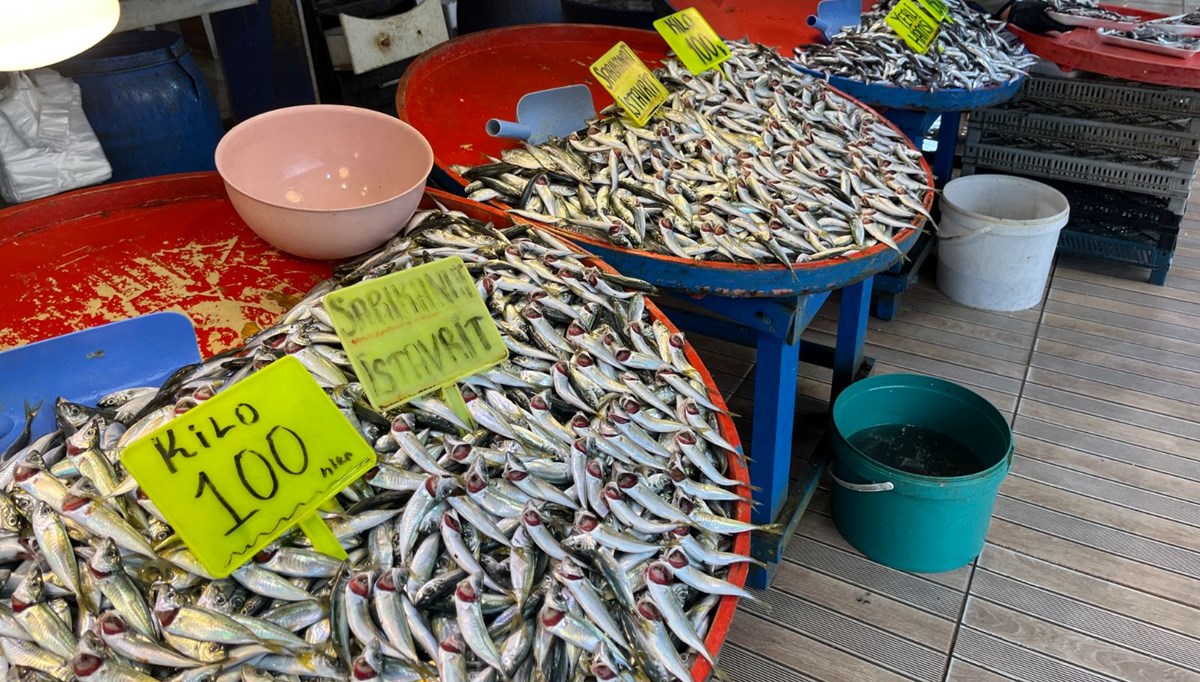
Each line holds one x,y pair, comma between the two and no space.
1123,153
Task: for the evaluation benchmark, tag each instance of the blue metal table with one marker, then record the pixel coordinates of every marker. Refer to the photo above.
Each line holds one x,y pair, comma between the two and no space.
914,112
766,308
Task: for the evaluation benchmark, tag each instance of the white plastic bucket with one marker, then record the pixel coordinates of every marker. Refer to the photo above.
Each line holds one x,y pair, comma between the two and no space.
996,240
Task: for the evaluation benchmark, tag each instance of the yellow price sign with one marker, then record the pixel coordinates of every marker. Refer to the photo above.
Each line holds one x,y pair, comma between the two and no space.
914,26
411,332
237,471
627,79
694,41
937,9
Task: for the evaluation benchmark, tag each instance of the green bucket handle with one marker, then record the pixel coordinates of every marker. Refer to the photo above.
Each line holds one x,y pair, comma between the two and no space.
861,487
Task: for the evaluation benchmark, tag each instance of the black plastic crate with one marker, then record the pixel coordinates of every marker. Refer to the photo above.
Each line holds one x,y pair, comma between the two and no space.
1157,257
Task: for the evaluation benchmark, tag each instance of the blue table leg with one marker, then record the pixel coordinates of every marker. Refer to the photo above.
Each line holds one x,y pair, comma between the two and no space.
774,412
851,335
943,160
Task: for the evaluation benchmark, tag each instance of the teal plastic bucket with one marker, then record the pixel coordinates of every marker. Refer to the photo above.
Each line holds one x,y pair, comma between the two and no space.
917,464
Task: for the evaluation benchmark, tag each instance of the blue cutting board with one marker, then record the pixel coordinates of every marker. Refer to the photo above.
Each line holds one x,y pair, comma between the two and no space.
85,365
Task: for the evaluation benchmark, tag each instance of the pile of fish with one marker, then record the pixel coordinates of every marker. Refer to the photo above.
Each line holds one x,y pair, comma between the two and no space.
1189,19
972,53
1088,9
750,163
578,530
1151,35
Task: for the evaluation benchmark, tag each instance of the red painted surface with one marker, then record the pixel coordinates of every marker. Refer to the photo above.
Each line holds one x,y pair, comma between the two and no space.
1082,49
451,91
494,69
778,23
113,252
96,255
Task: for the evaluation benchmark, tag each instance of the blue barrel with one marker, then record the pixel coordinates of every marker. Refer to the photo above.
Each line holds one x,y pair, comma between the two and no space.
148,103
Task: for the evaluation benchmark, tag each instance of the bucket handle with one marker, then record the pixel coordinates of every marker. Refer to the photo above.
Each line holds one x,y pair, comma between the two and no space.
861,487
973,233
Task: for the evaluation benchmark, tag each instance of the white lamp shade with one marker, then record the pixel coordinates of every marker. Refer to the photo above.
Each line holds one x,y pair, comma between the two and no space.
37,33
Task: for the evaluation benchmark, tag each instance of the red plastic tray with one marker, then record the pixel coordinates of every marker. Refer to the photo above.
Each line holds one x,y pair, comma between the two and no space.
492,69
1082,49
450,92
113,252
175,243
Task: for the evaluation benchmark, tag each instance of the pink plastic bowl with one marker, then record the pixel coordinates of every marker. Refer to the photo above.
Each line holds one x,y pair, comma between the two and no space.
324,180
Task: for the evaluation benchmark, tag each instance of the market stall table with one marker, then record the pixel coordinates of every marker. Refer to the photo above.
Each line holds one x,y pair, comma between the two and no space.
769,305
782,25
175,242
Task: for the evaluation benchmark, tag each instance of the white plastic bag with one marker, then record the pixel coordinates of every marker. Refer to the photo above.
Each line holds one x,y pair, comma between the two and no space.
46,143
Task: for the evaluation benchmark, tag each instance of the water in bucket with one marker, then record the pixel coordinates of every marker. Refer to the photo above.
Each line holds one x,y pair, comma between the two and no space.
917,450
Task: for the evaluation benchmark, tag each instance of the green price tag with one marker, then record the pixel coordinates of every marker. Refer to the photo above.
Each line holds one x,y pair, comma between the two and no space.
913,25
698,46
937,9
240,469
627,79
411,332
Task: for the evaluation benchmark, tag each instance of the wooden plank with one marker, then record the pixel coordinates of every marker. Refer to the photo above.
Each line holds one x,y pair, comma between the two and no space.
1085,588
1106,343
995,653
740,663
962,350
1103,426
1115,377
1116,361
1106,447
853,568
1094,562
1115,319
1114,628
1114,410
919,317
1170,317
1099,536
880,647
804,653
1103,273
933,367
942,306
1123,484
928,292
1115,290
1099,511
961,671
1068,645
1149,402
878,610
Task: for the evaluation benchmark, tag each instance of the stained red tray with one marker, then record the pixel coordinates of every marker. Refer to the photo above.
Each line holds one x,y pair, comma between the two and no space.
1082,49
113,252
461,84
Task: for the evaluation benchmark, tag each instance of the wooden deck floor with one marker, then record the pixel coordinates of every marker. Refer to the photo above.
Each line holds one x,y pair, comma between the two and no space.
1092,567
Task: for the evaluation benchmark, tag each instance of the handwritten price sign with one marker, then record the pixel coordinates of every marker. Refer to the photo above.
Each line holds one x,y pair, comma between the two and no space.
694,41
243,467
411,332
628,80
913,25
